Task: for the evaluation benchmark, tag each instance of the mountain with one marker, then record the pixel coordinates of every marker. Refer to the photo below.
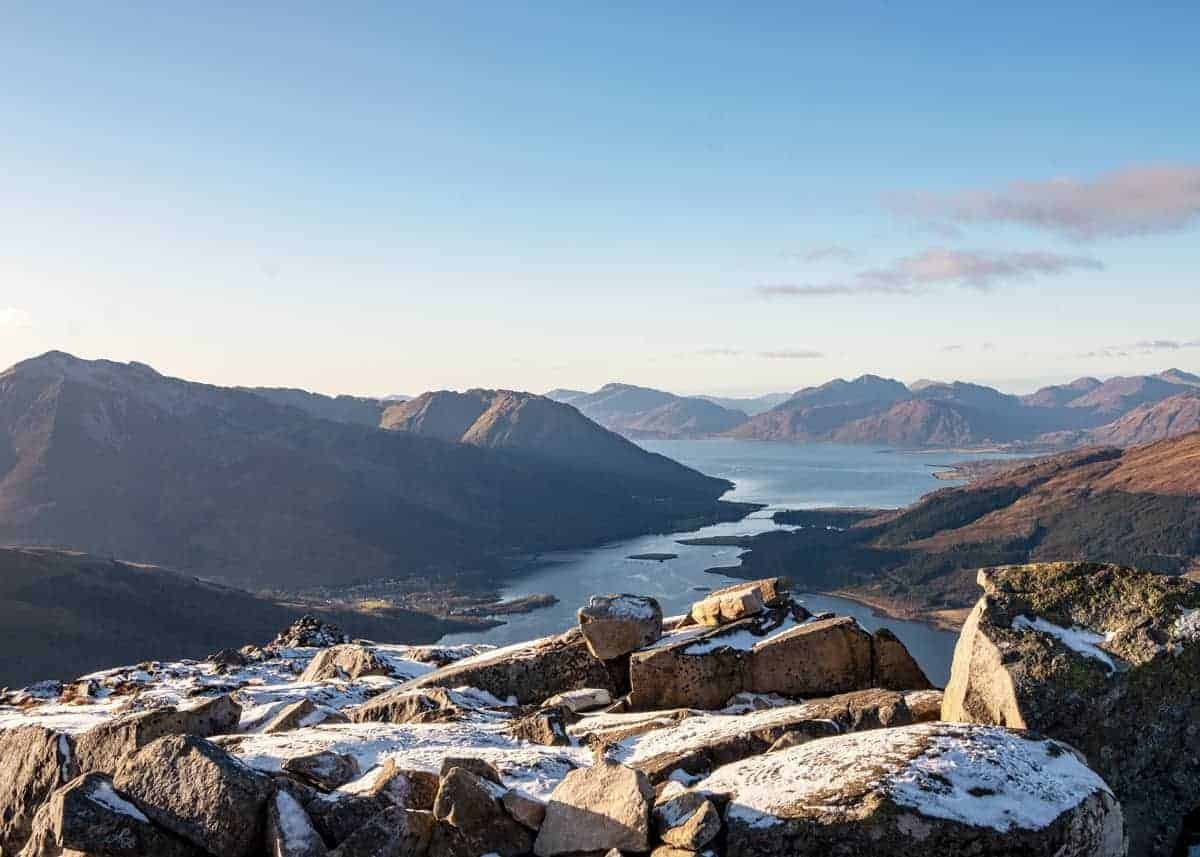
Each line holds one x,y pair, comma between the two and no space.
1138,506
1119,395
118,460
750,406
1178,376
64,613
1059,395
343,409
645,412
536,425
1168,418
865,389
565,396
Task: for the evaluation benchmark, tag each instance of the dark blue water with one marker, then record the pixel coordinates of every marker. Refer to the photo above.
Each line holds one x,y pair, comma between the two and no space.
784,476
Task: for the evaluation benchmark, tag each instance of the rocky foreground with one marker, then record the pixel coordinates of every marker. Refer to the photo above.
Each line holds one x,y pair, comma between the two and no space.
747,728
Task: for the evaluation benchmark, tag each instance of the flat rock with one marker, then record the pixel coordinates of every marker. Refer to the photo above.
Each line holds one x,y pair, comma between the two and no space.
615,625
584,699
325,770
33,763
595,809
932,789
818,658
196,790
301,714
419,705
1101,657
728,605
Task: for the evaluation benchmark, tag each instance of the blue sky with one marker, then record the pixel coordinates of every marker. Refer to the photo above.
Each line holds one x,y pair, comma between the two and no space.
392,197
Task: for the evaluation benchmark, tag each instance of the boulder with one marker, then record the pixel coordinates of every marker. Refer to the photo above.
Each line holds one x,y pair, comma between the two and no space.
472,805
394,832
938,790
685,819
420,705
33,763
301,714
338,815
199,792
103,747
344,661
895,667
227,659
818,658
729,605
925,705
615,625
693,672
89,817
290,832
529,673
325,770
547,727
584,699
307,632
1104,658
526,810
595,809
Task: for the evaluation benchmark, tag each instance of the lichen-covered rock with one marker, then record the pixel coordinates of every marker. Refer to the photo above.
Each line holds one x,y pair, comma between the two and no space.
103,747
394,832
938,790
419,705
325,770
303,713
472,805
33,763
595,809
546,726
895,668
615,625
89,817
344,661
290,832
199,792
478,767
1104,658
384,787
528,673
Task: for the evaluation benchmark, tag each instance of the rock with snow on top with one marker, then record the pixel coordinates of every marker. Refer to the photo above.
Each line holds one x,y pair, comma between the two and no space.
420,705
819,658
338,815
615,625
478,767
525,809
394,832
325,770
577,701
595,809
728,606
290,832
685,819
301,714
547,727
1097,656
199,792
88,816
473,806
308,632
33,763
933,789
344,661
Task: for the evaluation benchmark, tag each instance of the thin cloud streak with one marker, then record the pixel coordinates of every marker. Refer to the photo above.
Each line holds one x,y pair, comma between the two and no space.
798,354
1139,200
1145,346
831,253
910,275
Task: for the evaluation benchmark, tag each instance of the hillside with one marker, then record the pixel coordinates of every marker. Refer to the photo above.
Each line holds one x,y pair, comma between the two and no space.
118,460
1137,506
64,613
1168,418
343,409
874,410
644,412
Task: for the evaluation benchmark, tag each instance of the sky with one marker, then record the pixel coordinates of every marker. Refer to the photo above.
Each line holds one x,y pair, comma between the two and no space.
379,198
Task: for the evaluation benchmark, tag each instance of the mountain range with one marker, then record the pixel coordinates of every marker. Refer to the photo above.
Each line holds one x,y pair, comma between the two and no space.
283,489
875,410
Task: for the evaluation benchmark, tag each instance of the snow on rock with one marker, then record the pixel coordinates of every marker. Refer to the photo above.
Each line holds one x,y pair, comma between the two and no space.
1081,640
1187,626
105,794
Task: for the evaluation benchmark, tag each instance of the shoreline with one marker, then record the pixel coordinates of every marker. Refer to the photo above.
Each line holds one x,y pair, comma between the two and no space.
943,620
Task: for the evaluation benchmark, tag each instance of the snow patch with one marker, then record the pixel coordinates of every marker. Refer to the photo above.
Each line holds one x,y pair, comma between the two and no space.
107,796
1187,626
1081,640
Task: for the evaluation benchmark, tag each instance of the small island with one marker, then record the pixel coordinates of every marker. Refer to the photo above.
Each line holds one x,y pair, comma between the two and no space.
654,557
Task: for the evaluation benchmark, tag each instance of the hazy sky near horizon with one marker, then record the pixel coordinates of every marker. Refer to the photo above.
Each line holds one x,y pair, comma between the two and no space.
393,197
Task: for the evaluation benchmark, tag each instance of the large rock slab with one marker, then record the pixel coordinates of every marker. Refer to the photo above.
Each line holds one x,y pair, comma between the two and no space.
473,806
290,832
595,809
103,747
89,817
938,790
382,788
345,661
394,832
1104,658
820,658
615,625
739,601
33,763
895,667
302,713
418,705
199,792
530,672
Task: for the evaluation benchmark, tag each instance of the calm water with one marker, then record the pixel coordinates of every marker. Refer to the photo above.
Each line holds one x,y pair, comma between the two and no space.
784,476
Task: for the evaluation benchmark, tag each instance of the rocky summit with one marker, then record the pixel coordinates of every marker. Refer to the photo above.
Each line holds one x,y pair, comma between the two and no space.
747,727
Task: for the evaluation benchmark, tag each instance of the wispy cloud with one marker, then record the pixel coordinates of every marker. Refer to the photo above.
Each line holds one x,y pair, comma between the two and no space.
829,253
717,351
11,317
937,266
795,354
953,349
1144,346
1133,201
